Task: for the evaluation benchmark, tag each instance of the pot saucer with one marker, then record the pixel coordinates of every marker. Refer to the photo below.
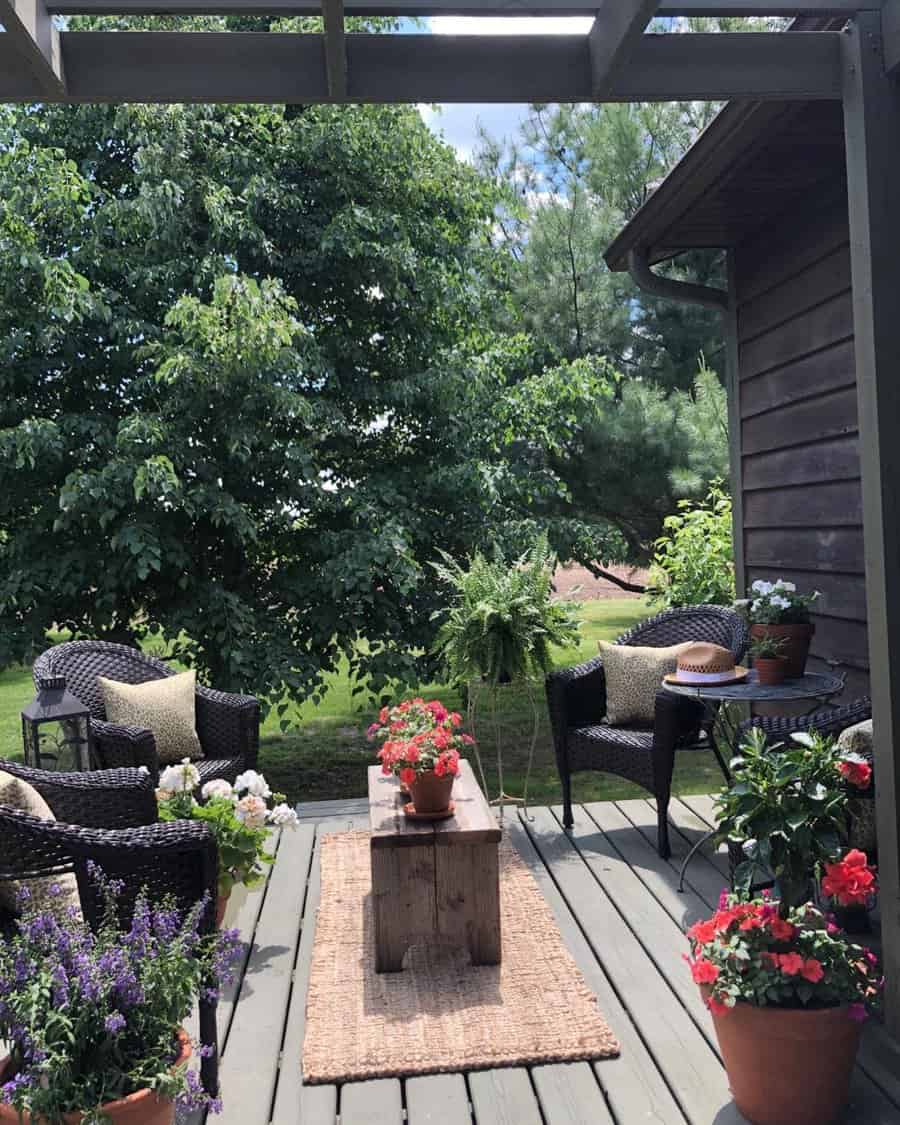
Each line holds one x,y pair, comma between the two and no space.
409,811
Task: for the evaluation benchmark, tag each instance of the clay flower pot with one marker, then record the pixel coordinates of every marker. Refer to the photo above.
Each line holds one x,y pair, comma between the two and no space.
140,1108
788,1064
430,793
795,641
771,670
221,907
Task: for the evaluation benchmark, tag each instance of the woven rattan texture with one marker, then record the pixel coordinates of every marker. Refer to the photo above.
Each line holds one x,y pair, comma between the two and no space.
440,1014
227,724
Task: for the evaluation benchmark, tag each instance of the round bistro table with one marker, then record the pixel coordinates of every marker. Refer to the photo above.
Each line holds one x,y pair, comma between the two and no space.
815,689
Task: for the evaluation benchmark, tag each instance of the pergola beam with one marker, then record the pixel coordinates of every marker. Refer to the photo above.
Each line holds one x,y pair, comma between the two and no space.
31,35
452,7
618,26
335,49
162,66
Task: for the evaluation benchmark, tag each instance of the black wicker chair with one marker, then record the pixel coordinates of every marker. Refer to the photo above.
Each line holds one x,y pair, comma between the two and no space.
646,756
109,817
227,724
829,721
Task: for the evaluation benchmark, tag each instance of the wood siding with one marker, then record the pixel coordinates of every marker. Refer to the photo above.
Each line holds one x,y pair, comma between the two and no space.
799,455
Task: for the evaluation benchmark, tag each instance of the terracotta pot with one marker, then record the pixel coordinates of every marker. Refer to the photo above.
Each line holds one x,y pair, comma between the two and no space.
795,644
430,793
221,907
141,1108
772,1056
771,670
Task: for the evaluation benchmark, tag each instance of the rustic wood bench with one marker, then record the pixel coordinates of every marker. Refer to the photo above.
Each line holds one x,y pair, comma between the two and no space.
434,879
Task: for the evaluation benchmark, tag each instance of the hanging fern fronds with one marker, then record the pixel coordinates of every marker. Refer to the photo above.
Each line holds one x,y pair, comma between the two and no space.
502,622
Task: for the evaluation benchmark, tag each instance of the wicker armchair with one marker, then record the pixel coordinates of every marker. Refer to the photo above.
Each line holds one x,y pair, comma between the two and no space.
227,725
829,721
109,817
577,701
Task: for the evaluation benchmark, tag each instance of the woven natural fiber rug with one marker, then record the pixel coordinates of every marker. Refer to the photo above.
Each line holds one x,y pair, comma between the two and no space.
440,1013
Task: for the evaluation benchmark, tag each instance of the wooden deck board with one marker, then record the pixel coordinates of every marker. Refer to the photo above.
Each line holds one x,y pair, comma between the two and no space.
621,917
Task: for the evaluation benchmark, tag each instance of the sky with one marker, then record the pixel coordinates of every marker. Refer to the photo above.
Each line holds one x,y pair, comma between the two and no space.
458,124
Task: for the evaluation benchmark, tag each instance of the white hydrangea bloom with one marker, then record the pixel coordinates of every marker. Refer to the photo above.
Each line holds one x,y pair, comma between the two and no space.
762,588
789,587
779,602
183,778
284,816
218,787
253,783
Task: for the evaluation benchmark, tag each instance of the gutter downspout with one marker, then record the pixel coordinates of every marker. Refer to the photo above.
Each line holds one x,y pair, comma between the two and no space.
640,270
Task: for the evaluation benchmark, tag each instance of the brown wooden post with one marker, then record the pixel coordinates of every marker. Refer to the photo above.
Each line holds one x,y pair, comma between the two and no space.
872,135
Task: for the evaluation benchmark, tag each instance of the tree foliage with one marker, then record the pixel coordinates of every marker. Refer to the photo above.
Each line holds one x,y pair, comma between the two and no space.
236,405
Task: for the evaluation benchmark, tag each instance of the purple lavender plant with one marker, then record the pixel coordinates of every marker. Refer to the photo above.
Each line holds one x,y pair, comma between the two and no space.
92,1015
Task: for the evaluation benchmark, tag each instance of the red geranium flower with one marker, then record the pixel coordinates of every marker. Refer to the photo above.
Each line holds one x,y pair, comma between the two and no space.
857,773
812,970
851,881
790,963
704,972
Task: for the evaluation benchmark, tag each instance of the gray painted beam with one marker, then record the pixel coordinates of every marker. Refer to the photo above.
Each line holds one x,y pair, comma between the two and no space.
890,30
871,127
618,26
161,66
453,7
32,35
335,49
735,430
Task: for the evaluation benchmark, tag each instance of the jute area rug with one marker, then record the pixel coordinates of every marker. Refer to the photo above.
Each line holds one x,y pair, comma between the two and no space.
441,1013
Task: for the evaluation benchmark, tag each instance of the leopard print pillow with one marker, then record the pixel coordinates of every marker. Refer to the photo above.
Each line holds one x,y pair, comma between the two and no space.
166,707
633,677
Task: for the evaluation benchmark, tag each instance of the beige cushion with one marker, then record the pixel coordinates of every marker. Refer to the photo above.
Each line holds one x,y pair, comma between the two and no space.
18,794
633,677
857,739
166,707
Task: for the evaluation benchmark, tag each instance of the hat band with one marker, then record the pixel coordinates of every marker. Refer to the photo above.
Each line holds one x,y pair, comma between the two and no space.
704,677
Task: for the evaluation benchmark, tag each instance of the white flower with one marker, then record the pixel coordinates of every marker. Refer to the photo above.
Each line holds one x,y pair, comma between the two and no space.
790,587
755,607
804,739
254,783
761,587
218,787
779,602
182,778
284,816
251,811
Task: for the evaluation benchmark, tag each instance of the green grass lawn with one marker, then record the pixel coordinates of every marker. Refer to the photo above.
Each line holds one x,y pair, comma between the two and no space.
325,754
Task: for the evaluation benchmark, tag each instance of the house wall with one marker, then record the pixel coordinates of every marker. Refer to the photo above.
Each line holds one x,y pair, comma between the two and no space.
799,460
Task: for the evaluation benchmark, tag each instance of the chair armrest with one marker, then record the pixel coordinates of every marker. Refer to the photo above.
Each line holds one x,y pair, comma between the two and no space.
177,858
829,721
100,799
118,746
576,697
676,718
228,725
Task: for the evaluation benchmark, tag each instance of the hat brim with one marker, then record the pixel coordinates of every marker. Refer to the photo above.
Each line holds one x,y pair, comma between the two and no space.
738,676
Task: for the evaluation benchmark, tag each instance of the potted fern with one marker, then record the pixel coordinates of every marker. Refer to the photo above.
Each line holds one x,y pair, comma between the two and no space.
500,629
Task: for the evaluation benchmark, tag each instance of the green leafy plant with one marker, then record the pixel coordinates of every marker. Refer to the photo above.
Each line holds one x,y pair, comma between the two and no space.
694,559
766,647
787,811
238,816
502,621
500,628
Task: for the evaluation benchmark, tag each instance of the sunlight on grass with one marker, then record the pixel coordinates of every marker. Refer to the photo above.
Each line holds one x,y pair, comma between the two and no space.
325,754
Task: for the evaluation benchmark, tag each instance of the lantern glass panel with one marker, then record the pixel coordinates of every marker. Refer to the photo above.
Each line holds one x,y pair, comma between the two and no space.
56,730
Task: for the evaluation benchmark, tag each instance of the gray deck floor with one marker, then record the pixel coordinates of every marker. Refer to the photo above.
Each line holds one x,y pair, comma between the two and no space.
623,920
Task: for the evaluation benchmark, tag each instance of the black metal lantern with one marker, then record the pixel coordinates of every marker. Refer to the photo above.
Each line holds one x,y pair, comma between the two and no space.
56,728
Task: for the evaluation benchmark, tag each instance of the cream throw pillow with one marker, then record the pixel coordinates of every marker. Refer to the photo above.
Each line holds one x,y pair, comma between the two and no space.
633,677
18,794
166,707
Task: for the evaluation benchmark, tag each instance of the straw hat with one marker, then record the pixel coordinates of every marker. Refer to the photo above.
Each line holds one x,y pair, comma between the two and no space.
704,663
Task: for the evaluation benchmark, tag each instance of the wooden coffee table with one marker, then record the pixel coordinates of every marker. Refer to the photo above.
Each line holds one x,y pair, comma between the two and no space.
434,879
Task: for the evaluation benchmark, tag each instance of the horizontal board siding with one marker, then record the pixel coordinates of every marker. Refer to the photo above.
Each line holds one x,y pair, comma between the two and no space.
838,503
815,374
802,504
824,461
829,415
